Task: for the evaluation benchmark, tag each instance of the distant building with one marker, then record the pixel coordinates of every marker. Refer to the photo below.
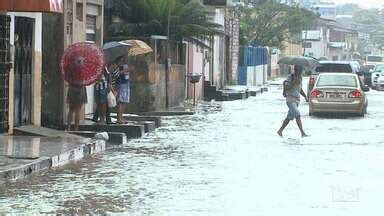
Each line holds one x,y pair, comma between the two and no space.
306,3
325,10
22,45
289,2
331,40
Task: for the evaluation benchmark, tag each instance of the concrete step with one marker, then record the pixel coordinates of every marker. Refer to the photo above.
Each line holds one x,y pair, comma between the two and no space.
149,126
228,95
156,119
115,138
167,113
131,131
21,156
42,131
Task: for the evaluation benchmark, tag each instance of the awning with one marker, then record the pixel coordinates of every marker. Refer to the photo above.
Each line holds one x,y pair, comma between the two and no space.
47,6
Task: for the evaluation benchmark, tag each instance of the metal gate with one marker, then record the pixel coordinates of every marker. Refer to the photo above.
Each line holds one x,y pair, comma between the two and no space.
4,71
23,70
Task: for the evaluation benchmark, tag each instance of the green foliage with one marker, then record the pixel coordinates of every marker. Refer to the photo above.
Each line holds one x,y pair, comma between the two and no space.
271,23
370,22
188,18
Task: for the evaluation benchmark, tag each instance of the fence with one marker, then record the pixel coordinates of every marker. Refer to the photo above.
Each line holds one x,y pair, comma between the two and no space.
253,66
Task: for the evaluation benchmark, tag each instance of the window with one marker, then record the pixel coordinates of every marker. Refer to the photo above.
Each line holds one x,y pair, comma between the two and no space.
341,68
307,45
374,59
337,80
79,11
379,67
91,29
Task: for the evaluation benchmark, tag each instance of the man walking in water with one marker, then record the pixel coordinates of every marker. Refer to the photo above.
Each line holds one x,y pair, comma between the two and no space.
292,91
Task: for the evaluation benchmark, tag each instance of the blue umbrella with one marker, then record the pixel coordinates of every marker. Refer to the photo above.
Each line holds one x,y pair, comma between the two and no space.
114,50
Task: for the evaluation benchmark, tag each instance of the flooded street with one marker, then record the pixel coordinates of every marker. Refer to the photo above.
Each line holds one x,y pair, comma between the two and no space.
224,162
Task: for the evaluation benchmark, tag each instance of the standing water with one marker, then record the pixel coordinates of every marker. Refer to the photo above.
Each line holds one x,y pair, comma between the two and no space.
221,162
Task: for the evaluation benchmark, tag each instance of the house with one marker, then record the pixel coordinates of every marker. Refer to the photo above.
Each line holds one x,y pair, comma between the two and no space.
330,39
22,39
224,48
325,10
36,34
82,20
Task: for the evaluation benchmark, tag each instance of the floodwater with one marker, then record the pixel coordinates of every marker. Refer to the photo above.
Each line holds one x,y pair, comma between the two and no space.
224,160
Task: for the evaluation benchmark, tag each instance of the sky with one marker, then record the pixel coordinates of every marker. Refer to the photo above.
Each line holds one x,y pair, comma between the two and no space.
362,3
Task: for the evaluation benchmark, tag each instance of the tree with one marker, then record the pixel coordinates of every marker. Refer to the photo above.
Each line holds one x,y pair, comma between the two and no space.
188,18
271,23
369,21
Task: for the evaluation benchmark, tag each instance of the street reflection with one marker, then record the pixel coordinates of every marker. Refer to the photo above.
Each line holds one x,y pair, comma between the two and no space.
20,148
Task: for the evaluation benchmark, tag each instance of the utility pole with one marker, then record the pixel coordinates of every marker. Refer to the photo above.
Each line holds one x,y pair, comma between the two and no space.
168,62
305,41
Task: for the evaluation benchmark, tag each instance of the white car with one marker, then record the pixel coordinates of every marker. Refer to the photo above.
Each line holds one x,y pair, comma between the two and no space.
377,73
373,59
380,82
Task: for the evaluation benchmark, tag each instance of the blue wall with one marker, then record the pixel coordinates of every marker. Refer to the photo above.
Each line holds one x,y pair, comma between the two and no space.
250,57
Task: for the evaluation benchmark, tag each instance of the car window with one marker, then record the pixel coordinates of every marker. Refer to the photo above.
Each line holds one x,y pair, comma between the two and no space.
338,68
332,80
374,59
379,67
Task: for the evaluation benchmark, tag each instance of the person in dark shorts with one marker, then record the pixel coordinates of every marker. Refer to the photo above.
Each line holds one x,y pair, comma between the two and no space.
102,87
76,98
293,86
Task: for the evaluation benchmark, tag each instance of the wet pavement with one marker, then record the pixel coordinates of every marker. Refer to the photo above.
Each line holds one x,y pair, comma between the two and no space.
32,147
224,160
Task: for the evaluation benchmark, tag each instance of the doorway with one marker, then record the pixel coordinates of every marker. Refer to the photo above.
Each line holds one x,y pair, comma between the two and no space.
24,29
4,71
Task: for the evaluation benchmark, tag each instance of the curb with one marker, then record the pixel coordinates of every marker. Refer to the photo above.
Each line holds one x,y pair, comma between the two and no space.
45,163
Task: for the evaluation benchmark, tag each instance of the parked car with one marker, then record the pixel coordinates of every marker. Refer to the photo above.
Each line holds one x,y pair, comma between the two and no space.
332,67
376,73
373,59
338,93
380,82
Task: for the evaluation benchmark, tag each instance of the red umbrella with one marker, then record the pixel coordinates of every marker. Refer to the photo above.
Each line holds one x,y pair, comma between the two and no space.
82,64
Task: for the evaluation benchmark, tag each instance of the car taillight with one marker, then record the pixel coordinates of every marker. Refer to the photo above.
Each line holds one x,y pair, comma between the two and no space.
355,94
311,80
317,93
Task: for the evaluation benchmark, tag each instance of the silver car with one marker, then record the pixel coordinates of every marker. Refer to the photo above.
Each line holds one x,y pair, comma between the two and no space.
338,93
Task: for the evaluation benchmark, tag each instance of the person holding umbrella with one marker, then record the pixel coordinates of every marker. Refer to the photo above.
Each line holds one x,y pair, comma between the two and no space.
292,91
102,87
81,65
76,98
114,53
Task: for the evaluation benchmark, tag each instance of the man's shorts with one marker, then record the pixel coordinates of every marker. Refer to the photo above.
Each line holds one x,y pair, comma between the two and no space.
101,95
293,111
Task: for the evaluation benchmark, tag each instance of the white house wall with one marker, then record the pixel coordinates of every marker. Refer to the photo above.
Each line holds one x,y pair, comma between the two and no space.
219,50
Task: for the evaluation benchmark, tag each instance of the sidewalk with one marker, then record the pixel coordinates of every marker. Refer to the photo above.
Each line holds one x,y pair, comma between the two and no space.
21,156
33,149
